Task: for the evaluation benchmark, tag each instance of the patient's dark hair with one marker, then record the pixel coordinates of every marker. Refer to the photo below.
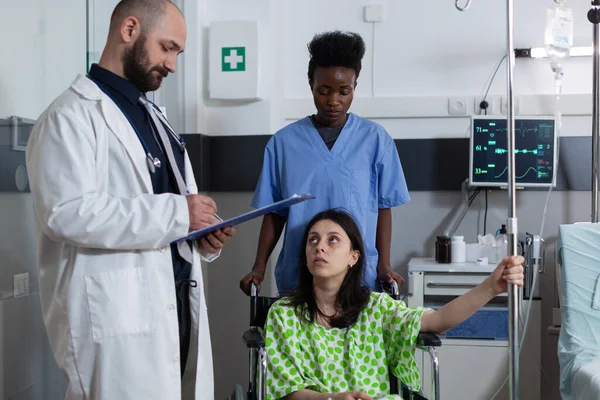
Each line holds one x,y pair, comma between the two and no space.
335,49
352,297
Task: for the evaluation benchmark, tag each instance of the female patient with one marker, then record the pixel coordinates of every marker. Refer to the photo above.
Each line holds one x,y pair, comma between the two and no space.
332,338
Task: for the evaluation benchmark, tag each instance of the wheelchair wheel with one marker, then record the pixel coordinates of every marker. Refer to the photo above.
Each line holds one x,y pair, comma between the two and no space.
238,393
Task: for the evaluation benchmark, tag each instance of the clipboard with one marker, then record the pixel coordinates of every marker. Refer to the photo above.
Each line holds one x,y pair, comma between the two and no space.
280,205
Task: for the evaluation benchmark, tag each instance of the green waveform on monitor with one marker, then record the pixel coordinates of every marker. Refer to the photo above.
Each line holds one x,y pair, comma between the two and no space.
541,129
517,151
501,151
517,176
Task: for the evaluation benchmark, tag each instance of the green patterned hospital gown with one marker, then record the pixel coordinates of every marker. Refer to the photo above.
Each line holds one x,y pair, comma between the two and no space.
331,360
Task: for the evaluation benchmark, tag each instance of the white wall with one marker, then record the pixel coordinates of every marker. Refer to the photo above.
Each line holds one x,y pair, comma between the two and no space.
249,118
416,59
424,49
99,13
43,50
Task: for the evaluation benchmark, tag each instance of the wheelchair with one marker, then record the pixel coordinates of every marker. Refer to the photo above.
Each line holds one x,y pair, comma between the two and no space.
253,338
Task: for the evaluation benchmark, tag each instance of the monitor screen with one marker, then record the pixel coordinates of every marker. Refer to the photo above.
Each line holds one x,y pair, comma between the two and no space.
535,152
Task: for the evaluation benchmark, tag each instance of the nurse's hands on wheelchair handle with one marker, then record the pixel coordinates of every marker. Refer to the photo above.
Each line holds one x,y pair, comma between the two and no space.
386,276
256,276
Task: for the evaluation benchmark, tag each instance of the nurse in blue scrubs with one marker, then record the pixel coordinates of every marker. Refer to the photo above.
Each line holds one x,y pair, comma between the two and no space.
344,160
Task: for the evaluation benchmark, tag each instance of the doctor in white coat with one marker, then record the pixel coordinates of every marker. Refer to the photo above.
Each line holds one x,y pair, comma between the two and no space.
106,268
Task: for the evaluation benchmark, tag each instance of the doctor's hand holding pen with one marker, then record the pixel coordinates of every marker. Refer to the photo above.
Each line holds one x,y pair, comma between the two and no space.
203,213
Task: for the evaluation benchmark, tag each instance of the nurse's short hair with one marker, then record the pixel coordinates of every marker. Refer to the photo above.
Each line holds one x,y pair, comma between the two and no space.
335,49
149,12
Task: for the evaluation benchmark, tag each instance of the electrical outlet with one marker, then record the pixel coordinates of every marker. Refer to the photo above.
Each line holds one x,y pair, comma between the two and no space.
21,285
491,109
504,105
457,106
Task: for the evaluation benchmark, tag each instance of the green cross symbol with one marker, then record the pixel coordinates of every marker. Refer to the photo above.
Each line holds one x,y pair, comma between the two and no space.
233,59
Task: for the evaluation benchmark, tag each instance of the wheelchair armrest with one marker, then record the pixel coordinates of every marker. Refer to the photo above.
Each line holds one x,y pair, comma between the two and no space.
409,394
254,339
428,340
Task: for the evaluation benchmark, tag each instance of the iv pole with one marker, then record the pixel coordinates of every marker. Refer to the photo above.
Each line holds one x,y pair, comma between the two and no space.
512,228
594,18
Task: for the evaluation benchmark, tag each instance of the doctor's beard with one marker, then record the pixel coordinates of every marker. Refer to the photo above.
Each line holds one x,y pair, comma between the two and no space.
138,70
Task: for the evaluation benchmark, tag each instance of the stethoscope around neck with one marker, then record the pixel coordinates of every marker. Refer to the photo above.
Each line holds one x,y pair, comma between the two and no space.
153,162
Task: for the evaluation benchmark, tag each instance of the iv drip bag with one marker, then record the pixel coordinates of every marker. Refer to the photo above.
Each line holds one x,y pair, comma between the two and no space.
559,34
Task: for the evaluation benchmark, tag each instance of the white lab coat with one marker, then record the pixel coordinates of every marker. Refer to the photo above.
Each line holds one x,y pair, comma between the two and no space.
105,270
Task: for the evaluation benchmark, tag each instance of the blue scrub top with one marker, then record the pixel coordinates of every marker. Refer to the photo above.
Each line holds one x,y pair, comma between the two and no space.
360,174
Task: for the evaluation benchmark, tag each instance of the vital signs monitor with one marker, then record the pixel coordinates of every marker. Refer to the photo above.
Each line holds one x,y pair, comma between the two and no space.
535,152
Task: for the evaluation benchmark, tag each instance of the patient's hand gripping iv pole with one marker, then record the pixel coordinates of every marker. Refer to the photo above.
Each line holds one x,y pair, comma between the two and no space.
512,228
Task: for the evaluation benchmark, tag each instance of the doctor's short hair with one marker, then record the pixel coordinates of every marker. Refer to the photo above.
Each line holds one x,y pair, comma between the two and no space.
335,49
149,12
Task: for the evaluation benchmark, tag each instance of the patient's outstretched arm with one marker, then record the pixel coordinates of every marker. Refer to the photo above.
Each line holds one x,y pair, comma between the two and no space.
509,271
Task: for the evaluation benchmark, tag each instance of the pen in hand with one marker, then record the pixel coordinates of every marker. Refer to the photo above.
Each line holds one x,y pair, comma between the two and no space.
215,214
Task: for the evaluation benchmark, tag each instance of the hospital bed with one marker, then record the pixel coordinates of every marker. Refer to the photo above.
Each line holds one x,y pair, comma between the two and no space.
253,338
579,340
579,259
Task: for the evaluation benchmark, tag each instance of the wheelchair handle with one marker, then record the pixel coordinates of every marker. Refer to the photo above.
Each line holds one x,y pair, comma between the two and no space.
253,302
